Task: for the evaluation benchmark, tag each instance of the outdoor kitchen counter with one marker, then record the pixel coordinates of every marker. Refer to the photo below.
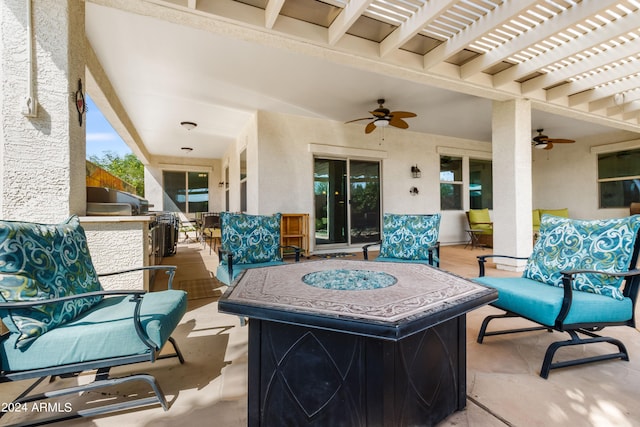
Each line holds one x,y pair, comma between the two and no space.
339,342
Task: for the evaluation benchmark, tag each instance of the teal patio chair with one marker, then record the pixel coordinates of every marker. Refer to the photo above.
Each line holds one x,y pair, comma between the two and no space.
408,238
61,322
249,241
580,278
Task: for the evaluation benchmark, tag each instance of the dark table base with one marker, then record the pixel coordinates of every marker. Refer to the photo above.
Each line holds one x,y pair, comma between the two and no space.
304,376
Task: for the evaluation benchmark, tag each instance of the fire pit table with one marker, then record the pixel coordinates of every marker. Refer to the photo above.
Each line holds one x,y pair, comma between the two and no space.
354,343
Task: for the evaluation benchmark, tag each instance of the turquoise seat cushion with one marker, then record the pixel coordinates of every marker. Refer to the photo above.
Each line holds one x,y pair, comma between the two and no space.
541,302
222,272
107,330
571,244
39,262
409,237
251,238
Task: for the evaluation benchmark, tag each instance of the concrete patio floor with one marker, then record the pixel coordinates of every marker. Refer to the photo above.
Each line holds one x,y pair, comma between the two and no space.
503,385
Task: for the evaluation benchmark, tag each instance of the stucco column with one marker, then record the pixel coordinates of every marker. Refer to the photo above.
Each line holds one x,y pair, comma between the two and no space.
512,185
42,159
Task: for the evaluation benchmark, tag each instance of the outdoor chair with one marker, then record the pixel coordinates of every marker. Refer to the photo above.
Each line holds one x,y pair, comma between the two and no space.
408,238
480,220
210,229
61,322
249,241
581,277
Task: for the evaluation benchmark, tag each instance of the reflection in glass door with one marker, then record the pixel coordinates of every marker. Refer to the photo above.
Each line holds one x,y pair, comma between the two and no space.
330,187
364,178
347,201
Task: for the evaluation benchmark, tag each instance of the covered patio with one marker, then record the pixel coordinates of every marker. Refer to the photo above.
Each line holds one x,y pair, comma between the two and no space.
252,96
503,385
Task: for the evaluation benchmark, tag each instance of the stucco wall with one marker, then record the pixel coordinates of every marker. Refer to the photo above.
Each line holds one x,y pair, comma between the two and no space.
566,176
287,144
119,244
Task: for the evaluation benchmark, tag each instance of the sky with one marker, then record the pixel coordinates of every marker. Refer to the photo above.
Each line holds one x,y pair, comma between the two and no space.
100,135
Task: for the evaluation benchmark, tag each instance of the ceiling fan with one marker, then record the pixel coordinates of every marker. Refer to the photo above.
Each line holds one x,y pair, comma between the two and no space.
543,142
382,117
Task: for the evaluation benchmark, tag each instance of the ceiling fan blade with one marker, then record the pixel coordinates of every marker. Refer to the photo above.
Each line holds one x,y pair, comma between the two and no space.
561,141
357,120
399,123
549,145
403,114
370,128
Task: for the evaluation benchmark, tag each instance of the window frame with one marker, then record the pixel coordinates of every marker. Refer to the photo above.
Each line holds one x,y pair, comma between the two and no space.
466,156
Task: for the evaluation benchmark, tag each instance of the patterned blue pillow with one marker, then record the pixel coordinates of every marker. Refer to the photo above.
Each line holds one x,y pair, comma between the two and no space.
42,261
571,244
409,236
251,238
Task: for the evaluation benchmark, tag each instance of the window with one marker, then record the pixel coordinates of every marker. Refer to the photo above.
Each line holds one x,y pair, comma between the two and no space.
619,178
480,184
186,191
450,183
458,171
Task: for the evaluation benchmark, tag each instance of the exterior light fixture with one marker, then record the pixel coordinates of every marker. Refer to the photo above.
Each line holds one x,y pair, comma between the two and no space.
416,172
188,125
413,191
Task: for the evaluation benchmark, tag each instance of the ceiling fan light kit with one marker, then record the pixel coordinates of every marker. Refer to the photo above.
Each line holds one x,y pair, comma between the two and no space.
383,117
543,142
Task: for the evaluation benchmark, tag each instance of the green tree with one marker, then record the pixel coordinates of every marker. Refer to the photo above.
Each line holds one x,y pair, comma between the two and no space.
127,168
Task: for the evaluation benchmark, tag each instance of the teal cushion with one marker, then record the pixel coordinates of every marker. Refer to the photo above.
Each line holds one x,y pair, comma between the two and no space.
105,331
39,262
571,244
251,238
414,261
222,272
541,302
409,236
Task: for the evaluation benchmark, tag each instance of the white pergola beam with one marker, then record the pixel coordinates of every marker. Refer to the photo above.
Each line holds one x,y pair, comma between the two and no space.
603,92
478,29
346,18
271,12
425,15
595,38
601,78
541,32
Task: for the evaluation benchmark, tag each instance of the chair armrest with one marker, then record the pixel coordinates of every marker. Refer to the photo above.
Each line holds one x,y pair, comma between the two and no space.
295,248
365,248
223,253
170,270
483,258
36,303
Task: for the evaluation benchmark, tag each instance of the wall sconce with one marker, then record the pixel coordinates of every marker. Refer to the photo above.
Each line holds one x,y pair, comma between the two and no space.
413,191
221,184
416,172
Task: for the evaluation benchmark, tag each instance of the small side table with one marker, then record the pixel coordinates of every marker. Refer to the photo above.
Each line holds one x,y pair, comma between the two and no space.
473,238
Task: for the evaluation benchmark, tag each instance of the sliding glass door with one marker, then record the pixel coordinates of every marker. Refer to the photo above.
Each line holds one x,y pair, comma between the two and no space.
347,201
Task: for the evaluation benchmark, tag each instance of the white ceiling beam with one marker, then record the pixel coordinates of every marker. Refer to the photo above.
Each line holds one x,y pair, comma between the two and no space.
416,23
628,110
483,26
595,38
601,78
271,12
346,18
546,29
191,4
592,95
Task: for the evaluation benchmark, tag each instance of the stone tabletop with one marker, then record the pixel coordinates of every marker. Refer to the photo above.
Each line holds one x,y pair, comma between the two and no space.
377,291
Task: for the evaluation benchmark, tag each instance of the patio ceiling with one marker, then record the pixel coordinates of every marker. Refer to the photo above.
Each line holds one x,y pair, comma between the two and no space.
217,62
